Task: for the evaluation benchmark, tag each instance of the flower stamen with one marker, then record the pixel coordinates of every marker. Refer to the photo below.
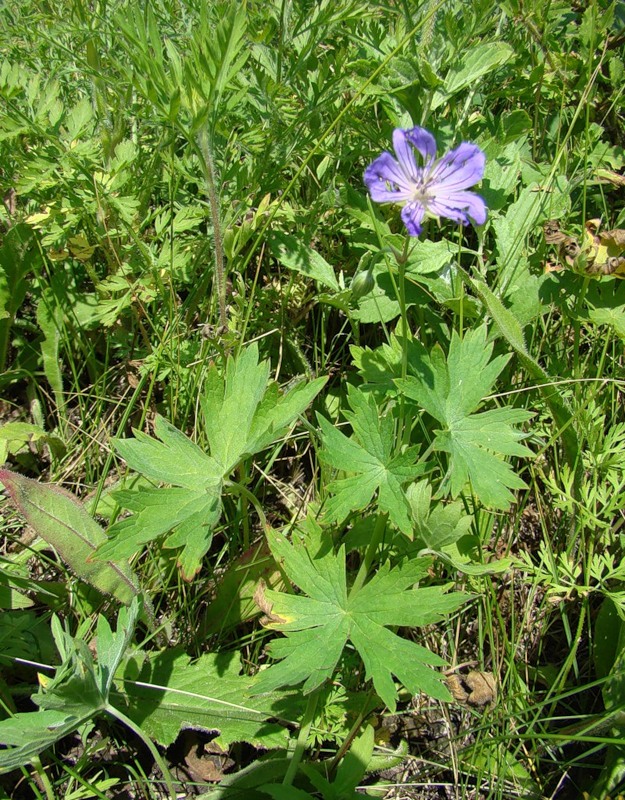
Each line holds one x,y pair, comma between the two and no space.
437,188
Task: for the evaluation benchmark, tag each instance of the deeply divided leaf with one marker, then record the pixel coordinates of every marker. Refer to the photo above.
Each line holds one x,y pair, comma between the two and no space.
171,458
243,413
326,612
369,463
451,390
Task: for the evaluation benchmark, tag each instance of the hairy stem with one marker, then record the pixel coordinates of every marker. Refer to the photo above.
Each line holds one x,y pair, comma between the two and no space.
208,167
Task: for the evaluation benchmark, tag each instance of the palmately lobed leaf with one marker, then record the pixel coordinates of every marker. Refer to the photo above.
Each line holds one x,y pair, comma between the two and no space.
229,403
278,411
387,598
436,525
243,414
157,511
330,614
471,373
385,654
300,659
320,575
451,390
369,455
174,459
78,691
491,478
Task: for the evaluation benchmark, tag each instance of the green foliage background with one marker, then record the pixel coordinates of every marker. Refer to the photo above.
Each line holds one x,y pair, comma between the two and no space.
410,460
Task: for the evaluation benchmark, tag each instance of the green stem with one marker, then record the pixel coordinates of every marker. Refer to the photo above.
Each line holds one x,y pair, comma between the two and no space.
208,167
238,488
370,553
400,291
560,681
461,294
119,715
401,270
245,517
43,776
302,737
576,329
347,742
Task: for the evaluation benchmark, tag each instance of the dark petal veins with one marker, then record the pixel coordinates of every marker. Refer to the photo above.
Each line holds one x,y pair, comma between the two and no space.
383,171
412,216
424,142
458,169
459,207
405,155
436,188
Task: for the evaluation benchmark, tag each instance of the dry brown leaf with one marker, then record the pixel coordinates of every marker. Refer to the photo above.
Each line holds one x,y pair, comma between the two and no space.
474,689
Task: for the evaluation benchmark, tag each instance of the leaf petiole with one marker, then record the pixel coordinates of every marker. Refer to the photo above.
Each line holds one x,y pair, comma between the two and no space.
302,737
370,553
167,776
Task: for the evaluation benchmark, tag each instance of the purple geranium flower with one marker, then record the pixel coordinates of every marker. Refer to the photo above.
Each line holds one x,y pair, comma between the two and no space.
438,188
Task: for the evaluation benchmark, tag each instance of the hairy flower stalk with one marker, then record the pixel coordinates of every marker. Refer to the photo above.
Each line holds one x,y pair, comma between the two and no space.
211,191
435,189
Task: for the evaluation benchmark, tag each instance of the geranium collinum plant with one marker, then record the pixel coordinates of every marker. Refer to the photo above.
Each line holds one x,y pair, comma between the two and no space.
434,188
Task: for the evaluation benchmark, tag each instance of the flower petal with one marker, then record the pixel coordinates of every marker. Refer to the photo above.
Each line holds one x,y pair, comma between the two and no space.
459,207
386,181
427,186
405,155
412,216
423,141
458,169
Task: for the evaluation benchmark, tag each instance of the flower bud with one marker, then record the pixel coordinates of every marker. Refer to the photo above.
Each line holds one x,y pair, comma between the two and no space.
362,284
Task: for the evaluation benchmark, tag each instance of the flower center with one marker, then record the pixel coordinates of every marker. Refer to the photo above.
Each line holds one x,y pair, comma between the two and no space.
421,194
